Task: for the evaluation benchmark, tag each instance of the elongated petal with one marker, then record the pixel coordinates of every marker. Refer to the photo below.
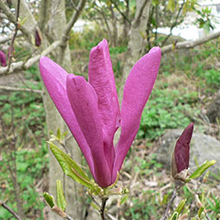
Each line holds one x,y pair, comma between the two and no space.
181,151
137,90
101,77
3,58
84,103
54,78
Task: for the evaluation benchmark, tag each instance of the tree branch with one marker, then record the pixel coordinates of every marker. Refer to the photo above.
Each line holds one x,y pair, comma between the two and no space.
65,36
17,89
174,24
10,210
174,194
31,61
102,209
15,34
5,39
12,18
72,21
189,44
139,13
122,14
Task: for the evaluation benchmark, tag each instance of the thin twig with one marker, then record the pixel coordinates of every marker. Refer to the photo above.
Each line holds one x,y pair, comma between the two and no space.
174,194
17,89
12,18
102,209
122,14
15,34
174,24
10,210
25,65
8,38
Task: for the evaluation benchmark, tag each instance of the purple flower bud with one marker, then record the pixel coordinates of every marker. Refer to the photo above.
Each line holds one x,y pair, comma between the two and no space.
3,58
38,37
91,109
180,158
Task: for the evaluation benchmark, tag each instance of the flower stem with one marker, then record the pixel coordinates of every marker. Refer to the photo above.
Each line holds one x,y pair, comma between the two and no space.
102,209
174,194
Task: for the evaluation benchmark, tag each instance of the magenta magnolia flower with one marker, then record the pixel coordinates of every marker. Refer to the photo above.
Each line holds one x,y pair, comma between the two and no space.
3,58
91,109
181,155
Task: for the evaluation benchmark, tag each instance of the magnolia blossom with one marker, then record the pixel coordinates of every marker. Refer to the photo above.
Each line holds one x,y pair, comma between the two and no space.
180,159
3,58
91,109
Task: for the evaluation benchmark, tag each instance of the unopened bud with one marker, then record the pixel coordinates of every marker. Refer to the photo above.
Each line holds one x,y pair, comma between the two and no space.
38,37
3,58
180,157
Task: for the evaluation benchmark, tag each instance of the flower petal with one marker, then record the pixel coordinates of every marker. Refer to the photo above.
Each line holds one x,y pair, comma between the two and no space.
84,103
101,77
54,78
182,148
137,90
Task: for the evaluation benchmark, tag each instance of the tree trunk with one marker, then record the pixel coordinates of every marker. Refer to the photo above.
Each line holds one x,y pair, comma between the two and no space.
136,43
72,190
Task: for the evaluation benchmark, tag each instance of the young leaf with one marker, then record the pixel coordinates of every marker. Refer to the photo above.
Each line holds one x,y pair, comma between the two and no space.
174,216
69,166
180,206
61,201
202,169
58,134
171,5
49,199
124,199
201,209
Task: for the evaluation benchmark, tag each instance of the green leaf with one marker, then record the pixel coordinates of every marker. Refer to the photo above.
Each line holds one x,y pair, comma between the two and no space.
61,201
174,216
199,171
201,209
171,5
58,134
180,206
70,168
49,199
124,199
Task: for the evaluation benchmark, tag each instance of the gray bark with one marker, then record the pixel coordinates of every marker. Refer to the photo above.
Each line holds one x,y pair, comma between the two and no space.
136,43
57,23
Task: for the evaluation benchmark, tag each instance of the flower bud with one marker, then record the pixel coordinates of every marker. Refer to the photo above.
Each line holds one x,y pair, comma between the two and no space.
180,157
2,58
38,37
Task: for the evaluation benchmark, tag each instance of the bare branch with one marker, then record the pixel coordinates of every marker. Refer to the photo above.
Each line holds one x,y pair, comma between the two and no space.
11,17
10,210
17,89
189,44
72,21
140,12
5,39
174,194
122,14
31,61
102,209
174,24
15,34
43,13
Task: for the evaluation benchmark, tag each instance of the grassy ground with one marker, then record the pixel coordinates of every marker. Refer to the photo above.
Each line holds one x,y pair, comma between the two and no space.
185,86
